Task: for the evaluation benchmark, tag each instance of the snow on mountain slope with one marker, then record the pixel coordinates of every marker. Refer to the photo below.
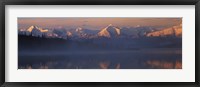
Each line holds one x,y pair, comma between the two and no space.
31,28
36,31
135,32
172,31
109,31
69,34
104,33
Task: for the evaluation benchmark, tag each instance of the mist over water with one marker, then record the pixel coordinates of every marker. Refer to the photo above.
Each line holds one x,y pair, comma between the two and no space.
158,58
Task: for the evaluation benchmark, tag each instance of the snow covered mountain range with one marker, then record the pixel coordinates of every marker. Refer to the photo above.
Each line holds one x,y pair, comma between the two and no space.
34,31
108,32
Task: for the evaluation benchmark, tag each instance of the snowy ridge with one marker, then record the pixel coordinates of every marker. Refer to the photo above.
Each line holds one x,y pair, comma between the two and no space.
36,31
109,31
31,28
172,31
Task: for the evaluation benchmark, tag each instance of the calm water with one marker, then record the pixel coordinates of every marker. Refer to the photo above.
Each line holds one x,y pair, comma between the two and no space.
169,58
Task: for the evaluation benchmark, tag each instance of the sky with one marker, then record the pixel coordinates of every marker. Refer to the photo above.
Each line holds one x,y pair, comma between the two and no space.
95,23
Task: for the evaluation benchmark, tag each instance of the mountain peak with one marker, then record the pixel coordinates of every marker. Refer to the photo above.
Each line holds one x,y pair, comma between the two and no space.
33,27
110,26
109,31
79,29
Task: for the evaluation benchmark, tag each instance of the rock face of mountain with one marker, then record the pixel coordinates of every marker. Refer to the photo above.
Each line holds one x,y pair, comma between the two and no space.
109,31
172,31
60,33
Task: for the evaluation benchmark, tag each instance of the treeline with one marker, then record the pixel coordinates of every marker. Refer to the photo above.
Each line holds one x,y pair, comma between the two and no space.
40,43
47,44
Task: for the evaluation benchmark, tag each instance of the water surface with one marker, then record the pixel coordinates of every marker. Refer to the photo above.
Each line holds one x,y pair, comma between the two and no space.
158,58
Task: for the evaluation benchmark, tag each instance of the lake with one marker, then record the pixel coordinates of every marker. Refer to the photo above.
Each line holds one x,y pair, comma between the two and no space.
158,58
